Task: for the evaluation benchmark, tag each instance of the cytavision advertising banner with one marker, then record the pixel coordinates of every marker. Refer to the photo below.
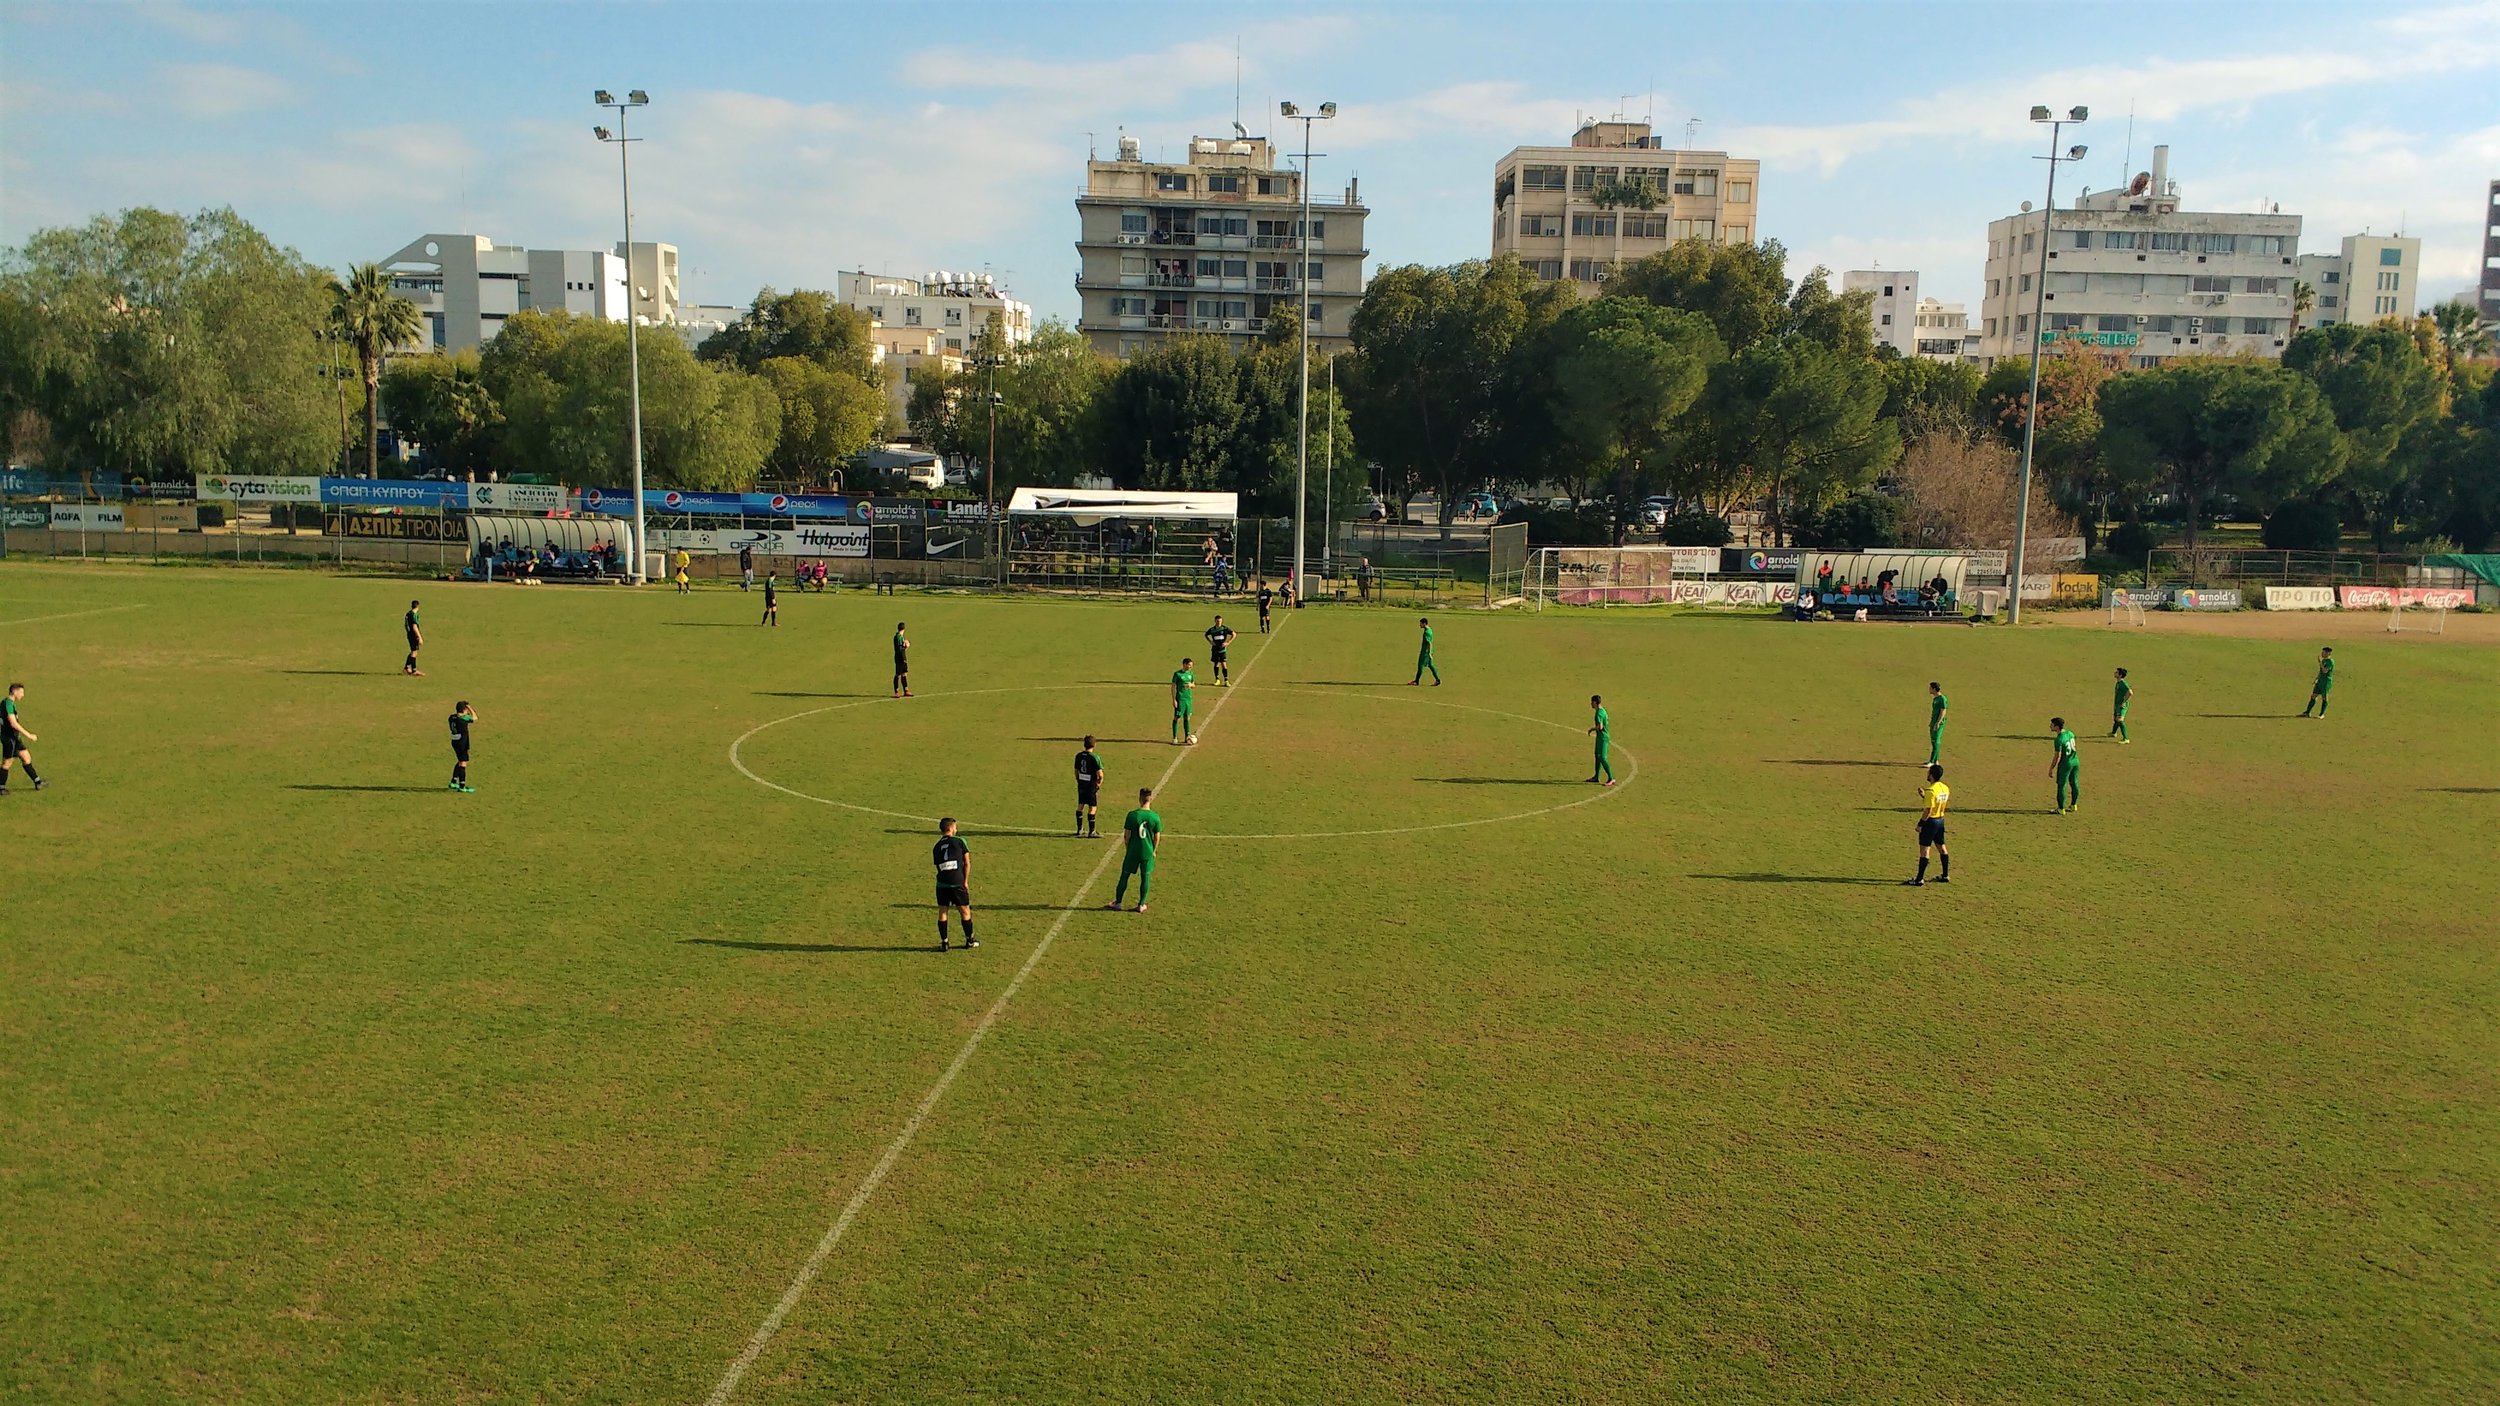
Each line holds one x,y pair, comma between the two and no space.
252,489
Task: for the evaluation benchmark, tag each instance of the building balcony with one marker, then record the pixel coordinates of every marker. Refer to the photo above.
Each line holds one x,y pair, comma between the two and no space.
1272,285
1170,280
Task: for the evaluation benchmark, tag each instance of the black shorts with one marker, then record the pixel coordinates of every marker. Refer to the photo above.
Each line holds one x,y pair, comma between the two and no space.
1085,792
412,641
901,668
1216,658
1931,830
957,896
460,751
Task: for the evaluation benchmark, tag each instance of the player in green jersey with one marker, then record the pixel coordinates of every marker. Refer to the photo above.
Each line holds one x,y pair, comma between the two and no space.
1937,706
1183,705
416,640
463,718
2325,684
2066,766
1605,738
2124,695
1143,830
902,662
1423,657
13,739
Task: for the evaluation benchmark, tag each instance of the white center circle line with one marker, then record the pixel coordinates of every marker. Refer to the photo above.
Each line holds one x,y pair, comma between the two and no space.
737,759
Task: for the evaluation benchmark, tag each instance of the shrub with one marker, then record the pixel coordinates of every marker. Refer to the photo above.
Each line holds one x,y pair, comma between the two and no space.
1691,527
2303,526
1864,519
1561,527
2132,540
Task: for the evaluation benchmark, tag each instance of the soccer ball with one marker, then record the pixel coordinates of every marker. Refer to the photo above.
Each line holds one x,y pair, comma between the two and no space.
1193,739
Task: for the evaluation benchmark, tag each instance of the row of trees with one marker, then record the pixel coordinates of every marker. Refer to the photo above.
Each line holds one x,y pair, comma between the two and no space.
152,345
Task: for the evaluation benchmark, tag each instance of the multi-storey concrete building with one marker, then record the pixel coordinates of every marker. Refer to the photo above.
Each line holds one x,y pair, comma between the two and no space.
956,306
2371,278
2490,290
908,353
465,285
1894,311
1211,245
1577,211
2136,274
1943,332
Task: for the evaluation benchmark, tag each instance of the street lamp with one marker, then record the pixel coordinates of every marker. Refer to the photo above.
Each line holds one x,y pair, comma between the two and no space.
1302,401
2039,339
633,343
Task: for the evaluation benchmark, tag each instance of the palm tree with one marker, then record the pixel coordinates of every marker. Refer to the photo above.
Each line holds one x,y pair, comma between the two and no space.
2304,298
2462,332
377,321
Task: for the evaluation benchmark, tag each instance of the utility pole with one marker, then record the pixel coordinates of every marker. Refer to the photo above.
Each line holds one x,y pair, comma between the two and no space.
2039,338
633,343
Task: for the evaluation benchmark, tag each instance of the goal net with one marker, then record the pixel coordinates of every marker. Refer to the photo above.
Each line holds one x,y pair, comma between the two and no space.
2125,609
2426,618
1506,569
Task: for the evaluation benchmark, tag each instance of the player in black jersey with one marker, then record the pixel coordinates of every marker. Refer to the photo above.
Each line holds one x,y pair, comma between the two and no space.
954,880
1219,635
1088,787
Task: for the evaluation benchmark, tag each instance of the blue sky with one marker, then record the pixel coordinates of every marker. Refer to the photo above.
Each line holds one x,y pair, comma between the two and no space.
788,141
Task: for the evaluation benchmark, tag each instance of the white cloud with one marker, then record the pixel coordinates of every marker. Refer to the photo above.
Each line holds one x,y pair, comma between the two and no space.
211,91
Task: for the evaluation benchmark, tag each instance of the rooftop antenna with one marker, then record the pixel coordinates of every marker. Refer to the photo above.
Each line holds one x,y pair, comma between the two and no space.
1692,132
1089,146
1237,127
1649,108
2126,164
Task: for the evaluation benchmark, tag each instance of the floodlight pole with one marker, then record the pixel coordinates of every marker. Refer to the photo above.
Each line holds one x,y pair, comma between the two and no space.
633,343
1302,320
1328,479
2039,339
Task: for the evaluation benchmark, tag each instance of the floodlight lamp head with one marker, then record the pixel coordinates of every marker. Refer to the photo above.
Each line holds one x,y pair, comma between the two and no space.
1288,110
2078,114
1327,109
600,132
2039,112
604,98
638,98
2077,152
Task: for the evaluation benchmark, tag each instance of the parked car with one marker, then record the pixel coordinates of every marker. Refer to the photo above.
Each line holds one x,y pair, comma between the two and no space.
1656,509
1479,505
1377,510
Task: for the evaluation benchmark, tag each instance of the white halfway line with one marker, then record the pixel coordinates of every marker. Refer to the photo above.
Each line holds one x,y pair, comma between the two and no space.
100,610
902,1142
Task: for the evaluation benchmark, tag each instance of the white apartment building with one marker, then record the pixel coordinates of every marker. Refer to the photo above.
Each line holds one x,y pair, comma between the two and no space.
2135,273
1942,332
1211,245
956,306
465,285
907,353
1563,211
2371,278
1895,309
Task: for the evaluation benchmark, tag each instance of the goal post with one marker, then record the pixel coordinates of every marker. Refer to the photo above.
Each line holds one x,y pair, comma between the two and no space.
1506,563
2429,617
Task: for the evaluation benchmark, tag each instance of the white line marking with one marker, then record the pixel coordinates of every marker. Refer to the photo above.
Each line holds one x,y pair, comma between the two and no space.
73,615
1631,770
894,1150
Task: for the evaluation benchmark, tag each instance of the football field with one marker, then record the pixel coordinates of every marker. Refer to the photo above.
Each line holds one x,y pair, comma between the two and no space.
1433,1073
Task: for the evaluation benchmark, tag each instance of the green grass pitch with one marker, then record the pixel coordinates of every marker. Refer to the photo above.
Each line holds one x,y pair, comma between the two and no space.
319,1082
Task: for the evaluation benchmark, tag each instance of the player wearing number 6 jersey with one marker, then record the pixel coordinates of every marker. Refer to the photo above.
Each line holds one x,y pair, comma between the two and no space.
1142,830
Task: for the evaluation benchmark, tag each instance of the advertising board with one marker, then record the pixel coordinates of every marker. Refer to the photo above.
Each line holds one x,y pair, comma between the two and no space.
392,493
2300,597
396,527
2204,598
827,540
250,489
512,497
1755,593
86,517
1761,561
2383,597
26,515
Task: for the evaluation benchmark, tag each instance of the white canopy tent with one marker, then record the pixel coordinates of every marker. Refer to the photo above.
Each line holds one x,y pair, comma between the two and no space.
1087,506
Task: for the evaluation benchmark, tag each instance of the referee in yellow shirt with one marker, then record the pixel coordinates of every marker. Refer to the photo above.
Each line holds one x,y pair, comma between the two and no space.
1932,798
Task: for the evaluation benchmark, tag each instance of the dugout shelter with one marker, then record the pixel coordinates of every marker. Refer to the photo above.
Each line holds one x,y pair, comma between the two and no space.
1128,539
1857,582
